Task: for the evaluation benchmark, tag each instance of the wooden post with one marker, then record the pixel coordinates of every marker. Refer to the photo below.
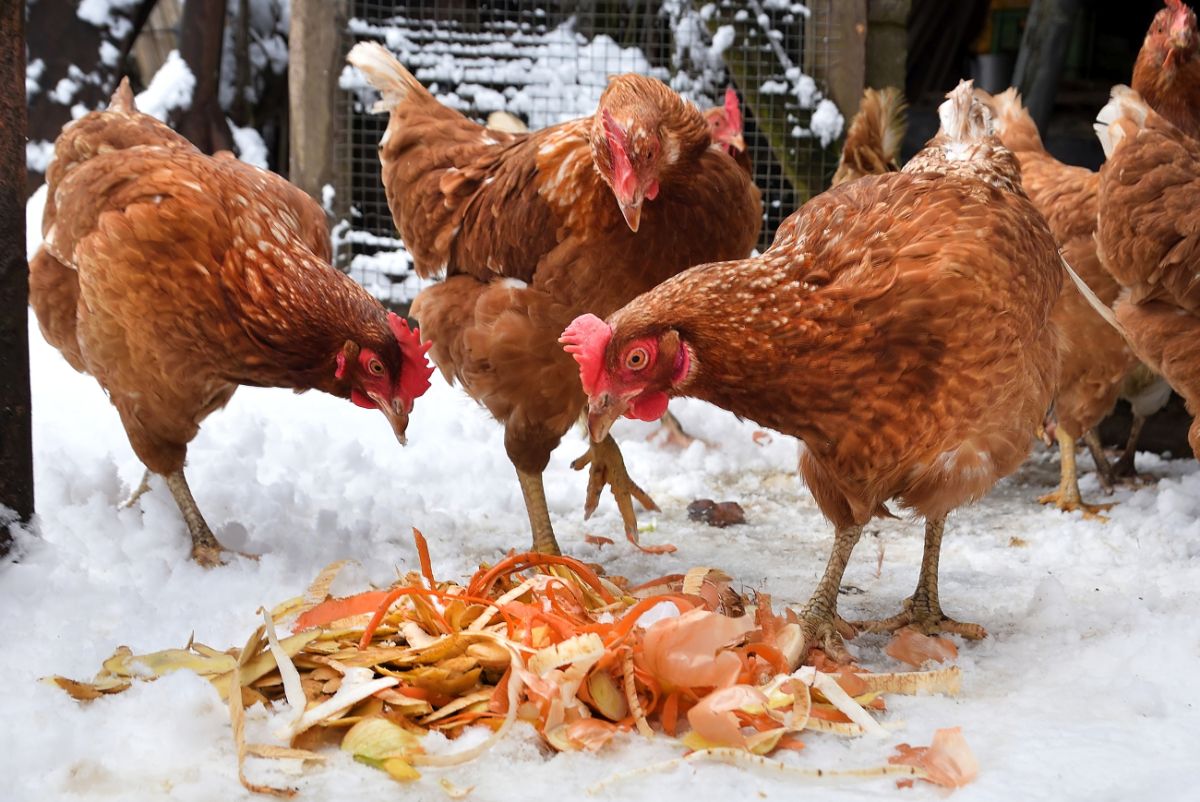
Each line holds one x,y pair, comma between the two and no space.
16,431
314,63
887,43
201,40
848,67
1043,54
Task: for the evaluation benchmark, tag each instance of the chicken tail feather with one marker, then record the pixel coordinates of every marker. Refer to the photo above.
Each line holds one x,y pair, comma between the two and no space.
122,99
384,73
963,118
1125,111
1101,308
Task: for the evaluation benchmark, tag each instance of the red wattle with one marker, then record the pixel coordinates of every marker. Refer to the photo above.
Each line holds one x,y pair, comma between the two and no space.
648,407
362,400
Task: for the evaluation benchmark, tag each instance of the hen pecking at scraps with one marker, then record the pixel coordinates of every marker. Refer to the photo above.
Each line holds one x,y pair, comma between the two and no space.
1167,71
872,145
1149,239
1095,357
173,277
535,229
899,326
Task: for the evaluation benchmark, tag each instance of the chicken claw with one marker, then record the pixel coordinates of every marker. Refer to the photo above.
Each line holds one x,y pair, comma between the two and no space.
139,491
828,633
1067,497
925,617
673,433
923,611
608,468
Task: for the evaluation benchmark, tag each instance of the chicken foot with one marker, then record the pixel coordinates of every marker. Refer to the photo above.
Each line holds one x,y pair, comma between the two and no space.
534,490
923,611
820,625
1067,497
205,548
674,431
139,491
608,468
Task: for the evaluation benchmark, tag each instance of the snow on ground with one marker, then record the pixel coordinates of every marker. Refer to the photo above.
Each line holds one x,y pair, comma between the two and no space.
1086,689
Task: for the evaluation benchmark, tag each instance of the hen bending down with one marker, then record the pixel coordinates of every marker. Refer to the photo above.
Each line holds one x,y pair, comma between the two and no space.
173,277
1095,357
1149,239
899,326
535,229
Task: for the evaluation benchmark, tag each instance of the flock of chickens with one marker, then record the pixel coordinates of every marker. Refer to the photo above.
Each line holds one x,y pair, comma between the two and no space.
912,327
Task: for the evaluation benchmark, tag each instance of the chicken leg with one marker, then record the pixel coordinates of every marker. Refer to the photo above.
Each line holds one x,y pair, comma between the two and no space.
534,490
923,611
205,548
820,624
608,468
1067,497
1124,467
1104,471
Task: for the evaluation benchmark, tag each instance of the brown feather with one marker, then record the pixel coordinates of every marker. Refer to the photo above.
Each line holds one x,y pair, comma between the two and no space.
1095,357
899,326
529,235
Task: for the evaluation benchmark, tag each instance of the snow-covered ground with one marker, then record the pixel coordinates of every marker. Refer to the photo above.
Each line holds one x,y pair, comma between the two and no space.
1088,687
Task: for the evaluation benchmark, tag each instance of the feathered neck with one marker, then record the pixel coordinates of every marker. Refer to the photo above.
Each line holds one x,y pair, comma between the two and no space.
297,314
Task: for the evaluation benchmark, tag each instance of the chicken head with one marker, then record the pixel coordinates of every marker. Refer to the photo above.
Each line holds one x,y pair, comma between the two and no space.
389,379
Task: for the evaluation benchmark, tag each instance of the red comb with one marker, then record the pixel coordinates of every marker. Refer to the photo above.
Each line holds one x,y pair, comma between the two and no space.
586,339
415,373
733,111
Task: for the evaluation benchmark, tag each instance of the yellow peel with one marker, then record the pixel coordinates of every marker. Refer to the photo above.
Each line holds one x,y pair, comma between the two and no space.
293,691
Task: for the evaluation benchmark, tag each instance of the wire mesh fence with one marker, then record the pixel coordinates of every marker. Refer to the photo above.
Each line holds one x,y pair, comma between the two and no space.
546,61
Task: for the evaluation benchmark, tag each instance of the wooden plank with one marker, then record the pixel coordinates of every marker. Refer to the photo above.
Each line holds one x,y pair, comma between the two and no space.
313,68
16,437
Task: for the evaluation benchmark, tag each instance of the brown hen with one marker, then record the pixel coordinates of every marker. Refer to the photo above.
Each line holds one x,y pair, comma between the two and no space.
173,277
1149,239
1095,358
534,229
1167,71
899,326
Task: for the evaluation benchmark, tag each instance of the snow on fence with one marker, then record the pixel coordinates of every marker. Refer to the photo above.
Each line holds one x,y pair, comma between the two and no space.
546,61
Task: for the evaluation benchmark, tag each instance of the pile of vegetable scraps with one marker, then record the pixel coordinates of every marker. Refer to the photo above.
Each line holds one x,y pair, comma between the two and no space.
546,641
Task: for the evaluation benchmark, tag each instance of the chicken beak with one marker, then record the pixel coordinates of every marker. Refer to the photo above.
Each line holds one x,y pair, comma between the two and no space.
603,411
632,212
397,414
738,143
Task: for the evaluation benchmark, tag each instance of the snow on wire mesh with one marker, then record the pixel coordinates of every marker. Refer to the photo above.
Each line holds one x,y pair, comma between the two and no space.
546,61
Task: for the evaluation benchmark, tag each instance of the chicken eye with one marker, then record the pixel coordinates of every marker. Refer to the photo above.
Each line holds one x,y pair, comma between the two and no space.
376,367
637,359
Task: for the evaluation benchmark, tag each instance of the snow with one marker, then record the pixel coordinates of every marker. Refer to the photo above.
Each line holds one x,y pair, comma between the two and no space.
38,155
250,145
170,88
1086,688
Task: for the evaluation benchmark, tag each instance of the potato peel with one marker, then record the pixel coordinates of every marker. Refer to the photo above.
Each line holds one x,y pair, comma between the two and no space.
544,640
